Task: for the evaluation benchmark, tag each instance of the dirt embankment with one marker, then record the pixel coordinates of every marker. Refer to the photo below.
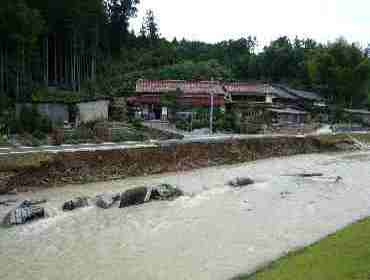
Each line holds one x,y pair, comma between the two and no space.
52,170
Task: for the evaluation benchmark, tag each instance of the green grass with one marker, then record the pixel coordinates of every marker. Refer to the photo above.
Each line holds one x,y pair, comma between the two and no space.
332,139
344,255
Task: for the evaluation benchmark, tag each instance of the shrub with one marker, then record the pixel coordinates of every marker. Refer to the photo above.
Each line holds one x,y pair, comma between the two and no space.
137,123
182,125
38,134
30,120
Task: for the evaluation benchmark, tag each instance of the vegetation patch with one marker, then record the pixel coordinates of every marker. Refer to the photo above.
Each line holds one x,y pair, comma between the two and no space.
58,95
343,255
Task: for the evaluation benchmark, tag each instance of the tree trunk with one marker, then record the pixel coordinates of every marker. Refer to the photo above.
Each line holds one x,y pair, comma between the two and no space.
66,77
78,72
55,59
6,82
72,58
17,83
2,86
60,62
46,70
23,70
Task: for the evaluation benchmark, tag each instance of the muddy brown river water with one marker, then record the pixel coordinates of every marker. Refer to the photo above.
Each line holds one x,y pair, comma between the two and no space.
214,232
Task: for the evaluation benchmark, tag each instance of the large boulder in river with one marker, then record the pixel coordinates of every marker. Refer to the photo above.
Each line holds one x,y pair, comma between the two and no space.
24,212
144,194
135,197
106,200
76,203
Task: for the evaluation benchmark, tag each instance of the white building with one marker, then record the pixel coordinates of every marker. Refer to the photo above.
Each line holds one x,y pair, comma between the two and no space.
367,50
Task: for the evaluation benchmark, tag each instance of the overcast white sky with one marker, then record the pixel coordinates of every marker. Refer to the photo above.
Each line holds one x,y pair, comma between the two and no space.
217,20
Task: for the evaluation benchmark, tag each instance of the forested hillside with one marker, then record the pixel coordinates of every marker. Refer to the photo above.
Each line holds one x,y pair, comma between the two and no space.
86,47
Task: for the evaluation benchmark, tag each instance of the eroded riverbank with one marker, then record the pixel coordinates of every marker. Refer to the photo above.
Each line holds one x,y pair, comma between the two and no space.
48,169
215,232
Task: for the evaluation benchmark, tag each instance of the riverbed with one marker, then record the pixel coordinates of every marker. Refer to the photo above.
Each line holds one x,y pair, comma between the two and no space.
213,232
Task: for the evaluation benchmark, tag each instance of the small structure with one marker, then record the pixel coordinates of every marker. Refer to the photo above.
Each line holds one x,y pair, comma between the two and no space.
69,112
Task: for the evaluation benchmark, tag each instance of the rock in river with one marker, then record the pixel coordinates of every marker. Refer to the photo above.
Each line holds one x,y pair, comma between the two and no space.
106,200
23,213
144,194
76,203
134,197
241,182
165,192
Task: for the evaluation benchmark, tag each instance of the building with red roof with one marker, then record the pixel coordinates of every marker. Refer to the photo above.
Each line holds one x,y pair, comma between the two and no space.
250,102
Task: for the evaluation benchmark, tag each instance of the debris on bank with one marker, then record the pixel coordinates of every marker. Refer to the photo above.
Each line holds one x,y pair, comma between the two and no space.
305,175
317,177
24,212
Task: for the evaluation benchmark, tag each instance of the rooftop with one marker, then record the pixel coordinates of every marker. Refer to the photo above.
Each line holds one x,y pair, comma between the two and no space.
240,87
308,95
288,111
217,87
357,111
187,87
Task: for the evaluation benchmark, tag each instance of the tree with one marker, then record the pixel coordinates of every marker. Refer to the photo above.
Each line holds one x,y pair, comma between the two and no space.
120,12
150,29
341,70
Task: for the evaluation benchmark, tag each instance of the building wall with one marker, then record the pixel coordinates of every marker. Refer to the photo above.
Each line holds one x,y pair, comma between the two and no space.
56,112
92,111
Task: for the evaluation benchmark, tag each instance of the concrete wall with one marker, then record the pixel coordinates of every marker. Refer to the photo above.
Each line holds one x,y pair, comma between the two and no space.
56,112
93,111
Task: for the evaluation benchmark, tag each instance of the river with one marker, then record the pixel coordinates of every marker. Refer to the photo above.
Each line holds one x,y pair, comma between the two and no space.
214,232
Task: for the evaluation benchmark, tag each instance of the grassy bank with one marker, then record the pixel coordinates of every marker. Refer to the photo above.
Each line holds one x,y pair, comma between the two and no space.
344,255
332,139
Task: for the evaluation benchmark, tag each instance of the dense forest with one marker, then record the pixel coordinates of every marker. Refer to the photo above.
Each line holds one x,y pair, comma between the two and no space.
87,48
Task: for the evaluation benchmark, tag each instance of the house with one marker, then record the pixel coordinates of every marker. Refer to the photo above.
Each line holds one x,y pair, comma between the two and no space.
247,102
257,106
252,104
239,92
155,99
76,112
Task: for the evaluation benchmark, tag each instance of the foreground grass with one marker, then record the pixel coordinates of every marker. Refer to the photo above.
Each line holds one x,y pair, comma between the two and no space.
333,139
344,255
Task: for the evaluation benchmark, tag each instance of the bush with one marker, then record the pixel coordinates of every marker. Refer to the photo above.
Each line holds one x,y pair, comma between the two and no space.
38,135
30,121
137,123
182,125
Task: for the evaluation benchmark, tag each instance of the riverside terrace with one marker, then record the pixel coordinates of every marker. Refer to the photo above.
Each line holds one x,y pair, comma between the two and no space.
249,100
